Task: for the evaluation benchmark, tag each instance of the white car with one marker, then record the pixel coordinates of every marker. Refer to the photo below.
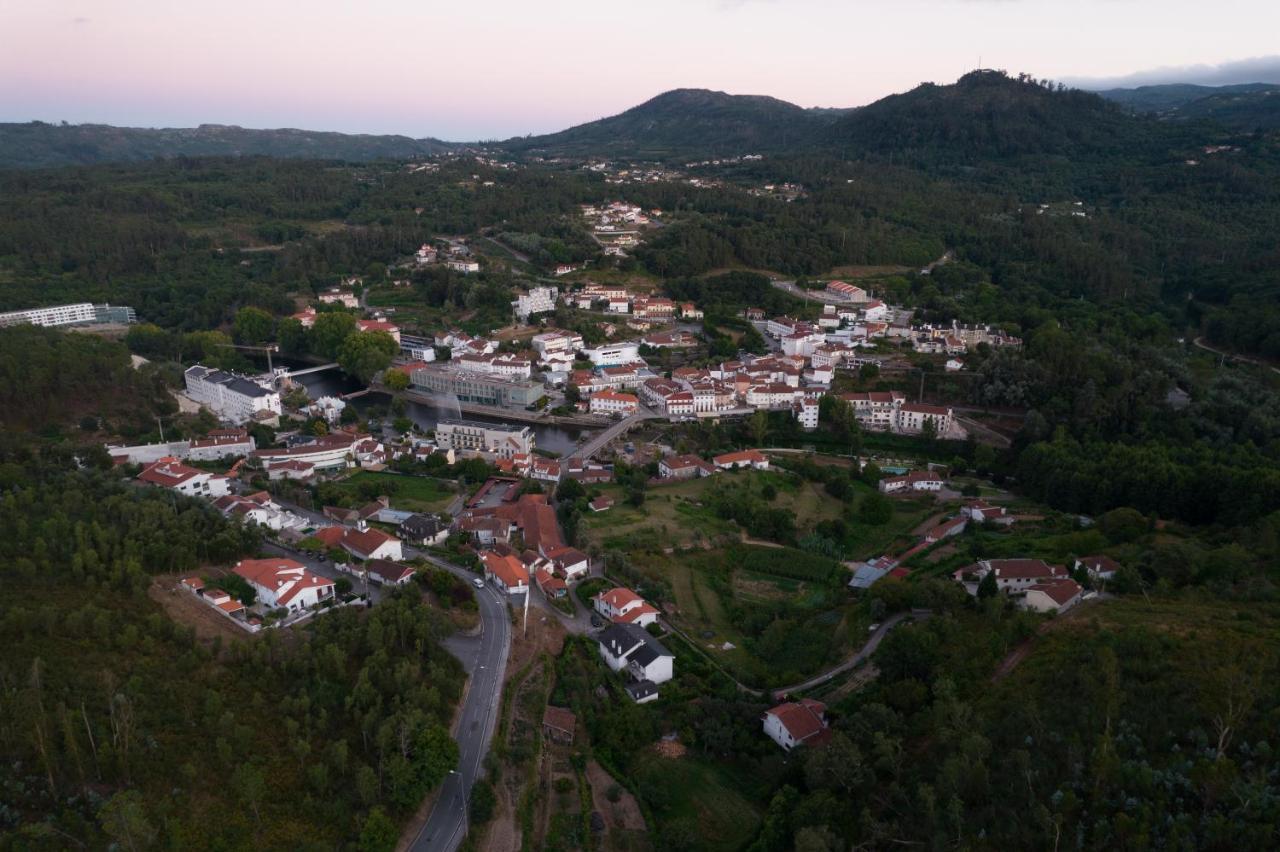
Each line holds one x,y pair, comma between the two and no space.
478,583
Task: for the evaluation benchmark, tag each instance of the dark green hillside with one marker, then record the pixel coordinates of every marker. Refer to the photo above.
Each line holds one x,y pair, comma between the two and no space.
37,144
1246,111
686,122
986,115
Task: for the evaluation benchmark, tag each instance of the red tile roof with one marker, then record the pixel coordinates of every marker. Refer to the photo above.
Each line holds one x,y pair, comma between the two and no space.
508,569
803,719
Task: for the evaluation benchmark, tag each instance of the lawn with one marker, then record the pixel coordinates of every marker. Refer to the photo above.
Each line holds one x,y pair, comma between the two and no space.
411,493
672,515
701,797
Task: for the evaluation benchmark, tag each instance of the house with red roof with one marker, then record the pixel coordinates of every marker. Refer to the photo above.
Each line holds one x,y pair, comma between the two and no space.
623,606
569,562
946,529
170,473
362,542
1056,595
1013,575
505,571
284,583
743,458
384,572
796,723
551,585
684,467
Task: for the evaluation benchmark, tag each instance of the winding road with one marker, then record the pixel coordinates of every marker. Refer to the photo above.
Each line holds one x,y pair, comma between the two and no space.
485,659
863,653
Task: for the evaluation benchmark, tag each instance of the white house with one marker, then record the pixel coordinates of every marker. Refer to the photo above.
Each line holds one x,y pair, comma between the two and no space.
170,473
1015,575
916,480
506,572
629,648
384,572
1099,567
623,606
743,458
569,561
1057,595
796,723
284,583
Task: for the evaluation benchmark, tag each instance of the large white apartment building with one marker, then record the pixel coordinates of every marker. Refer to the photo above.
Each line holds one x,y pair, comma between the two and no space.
613,354
231,397
539,300
501,439
556,344
81,313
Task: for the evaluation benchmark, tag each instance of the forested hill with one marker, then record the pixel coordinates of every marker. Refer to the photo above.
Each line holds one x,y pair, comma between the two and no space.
38,144
1173,96
688,122
986,115
1245,107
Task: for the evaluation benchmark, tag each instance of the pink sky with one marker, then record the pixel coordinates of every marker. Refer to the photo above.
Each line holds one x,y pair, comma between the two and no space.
506,67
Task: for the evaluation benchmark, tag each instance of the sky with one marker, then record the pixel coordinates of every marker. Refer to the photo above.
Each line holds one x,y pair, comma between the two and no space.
489,69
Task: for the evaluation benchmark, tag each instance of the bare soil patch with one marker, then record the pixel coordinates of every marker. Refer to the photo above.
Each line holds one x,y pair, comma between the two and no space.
623,814
185,608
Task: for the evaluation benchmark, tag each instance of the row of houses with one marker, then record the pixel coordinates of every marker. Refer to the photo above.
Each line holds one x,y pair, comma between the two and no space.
688,466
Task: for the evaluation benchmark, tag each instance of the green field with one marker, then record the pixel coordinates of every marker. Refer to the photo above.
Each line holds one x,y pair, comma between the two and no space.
698,799
411,493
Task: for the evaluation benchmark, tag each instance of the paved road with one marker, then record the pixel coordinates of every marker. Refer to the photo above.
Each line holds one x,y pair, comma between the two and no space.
485,659
863,653
1199,341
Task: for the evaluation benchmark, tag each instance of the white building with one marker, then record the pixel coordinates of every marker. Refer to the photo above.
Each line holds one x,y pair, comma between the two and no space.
231,397
1057,595
172,474
495,365
556,345
846,292
629,648
613,354
283,583
796,723
501,439
806,411
916,480
623,606
327,452
539,300
465,265
612,402
339,296
81,313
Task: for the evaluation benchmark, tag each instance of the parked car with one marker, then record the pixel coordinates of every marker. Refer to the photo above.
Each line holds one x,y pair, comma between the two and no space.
478,583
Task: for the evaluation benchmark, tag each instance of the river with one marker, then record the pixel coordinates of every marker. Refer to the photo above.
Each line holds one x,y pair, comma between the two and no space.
555,439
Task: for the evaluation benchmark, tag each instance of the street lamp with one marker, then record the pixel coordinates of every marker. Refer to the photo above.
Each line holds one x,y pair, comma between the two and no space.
466,810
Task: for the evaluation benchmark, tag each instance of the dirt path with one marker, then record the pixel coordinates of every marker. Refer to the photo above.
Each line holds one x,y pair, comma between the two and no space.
623,814
1020,653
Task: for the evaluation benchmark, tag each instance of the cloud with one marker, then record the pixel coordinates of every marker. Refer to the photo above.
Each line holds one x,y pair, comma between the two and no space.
1257,69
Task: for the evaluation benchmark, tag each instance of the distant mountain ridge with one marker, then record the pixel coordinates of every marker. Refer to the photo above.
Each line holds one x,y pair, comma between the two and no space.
38,144
692,122
983,115
1244,106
